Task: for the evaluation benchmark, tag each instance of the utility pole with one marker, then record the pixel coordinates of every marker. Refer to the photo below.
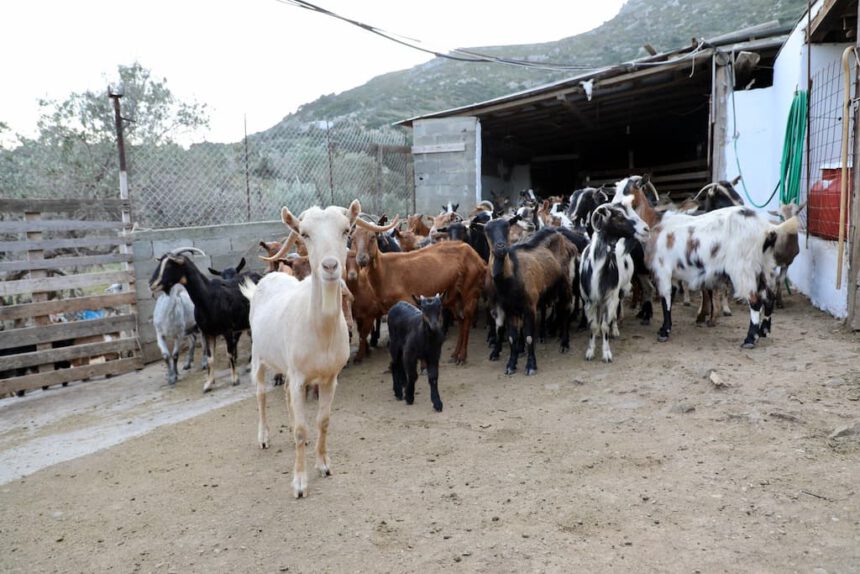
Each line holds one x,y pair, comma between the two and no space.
124,248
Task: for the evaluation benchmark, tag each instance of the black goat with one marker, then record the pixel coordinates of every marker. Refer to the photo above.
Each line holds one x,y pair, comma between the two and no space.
235,273
220,309
583,202
416,334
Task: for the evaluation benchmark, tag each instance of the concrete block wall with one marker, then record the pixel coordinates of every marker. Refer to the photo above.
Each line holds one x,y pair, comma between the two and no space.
442,176
224,246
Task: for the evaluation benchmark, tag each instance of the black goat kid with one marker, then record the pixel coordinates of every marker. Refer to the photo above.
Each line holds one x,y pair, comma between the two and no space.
415,333
220,309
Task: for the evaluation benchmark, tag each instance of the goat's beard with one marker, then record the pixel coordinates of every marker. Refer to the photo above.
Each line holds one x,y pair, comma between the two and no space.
330,297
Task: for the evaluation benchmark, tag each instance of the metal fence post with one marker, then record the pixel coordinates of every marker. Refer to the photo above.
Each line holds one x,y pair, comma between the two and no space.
247,176
330,165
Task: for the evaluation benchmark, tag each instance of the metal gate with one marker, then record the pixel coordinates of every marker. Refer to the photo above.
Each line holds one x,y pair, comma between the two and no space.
67,298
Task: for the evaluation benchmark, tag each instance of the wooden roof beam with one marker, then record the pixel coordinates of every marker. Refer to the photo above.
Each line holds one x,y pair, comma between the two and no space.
574,109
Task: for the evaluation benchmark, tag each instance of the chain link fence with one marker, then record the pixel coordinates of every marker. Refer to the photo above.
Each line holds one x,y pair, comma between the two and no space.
822,183
316,164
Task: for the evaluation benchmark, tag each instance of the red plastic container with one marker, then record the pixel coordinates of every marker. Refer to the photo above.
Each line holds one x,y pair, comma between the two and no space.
822,211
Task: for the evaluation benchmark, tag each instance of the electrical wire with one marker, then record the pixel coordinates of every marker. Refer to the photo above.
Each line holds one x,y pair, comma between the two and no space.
460,54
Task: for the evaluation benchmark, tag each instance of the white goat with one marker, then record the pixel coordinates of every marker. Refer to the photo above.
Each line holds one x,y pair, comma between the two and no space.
734,243
298,329
173,319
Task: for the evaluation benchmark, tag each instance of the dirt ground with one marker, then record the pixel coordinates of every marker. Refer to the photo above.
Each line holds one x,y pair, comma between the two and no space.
644,465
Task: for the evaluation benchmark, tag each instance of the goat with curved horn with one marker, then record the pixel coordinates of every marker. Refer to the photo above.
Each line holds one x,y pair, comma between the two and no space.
377,228
181,250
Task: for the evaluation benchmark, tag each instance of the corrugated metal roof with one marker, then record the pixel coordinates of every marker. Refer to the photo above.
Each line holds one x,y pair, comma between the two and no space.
758,37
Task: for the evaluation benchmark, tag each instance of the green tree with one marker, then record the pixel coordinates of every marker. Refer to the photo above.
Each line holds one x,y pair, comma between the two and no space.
74,152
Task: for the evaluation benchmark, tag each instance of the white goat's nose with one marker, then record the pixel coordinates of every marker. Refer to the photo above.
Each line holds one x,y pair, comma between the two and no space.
329,264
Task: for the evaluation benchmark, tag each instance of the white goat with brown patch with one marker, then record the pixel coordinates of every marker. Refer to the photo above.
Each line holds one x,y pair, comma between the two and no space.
299,330
734,243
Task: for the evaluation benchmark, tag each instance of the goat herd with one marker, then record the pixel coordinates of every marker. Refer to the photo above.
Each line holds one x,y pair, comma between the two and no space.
536,265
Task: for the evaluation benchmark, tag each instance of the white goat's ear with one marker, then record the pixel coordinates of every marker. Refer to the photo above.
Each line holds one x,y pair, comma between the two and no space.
290,220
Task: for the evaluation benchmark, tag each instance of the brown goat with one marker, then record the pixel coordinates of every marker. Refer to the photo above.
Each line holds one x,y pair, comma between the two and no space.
365,308
525,274
448,267
409,240
415,224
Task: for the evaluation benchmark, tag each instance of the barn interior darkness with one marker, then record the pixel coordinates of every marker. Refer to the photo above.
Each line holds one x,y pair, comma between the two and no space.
645,120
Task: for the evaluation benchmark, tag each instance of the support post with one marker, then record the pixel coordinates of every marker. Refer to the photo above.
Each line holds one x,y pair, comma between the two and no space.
853,320
124,248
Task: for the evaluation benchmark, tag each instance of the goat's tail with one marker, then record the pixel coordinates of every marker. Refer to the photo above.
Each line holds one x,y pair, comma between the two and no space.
248,288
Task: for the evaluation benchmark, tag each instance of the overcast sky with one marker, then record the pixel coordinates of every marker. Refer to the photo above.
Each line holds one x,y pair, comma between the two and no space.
255,57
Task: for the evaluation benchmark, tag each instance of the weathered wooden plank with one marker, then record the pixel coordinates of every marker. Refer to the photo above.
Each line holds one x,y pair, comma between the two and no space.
63,262
51,356
655,169
57,225
14,338
36,381
65,282
70,243
27,310
439,148
61,205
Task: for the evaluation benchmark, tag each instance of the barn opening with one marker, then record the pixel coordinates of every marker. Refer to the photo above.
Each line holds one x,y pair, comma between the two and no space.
659,115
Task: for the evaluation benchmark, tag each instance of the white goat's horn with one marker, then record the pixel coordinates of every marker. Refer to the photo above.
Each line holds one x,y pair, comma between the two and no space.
377,228
181,250
287,244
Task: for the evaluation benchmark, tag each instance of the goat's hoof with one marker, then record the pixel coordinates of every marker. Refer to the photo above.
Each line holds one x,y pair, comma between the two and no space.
264,445
186,367
300,485
565,349
494,356
410,401
748,345
727,313
662,338
207,390
437,407
607,358
510,371
711,323
531,371
324,470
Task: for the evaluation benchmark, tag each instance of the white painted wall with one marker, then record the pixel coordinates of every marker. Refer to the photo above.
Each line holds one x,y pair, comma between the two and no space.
761,121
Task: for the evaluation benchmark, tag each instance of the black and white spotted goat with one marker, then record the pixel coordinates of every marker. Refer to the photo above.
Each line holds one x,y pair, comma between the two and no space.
606,269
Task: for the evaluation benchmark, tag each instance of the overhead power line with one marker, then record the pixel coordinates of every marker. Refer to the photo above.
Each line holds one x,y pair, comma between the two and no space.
459,54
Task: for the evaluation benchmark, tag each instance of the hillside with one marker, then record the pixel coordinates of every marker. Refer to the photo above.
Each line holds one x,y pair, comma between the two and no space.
440,84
